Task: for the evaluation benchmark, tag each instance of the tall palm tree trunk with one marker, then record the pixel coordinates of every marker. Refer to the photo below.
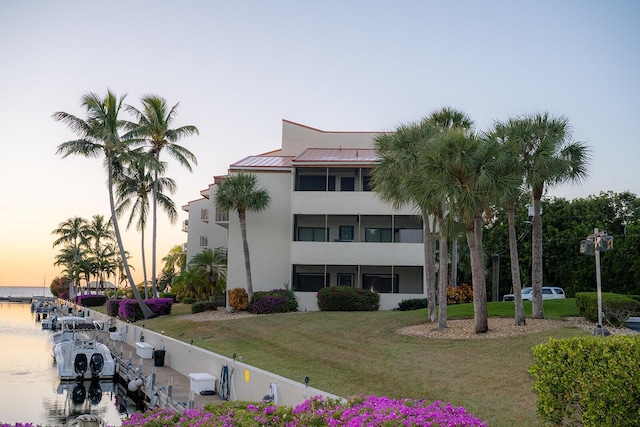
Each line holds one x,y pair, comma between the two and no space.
154,234
453,280
430,267
474,240
144,264
515,266
443,278
536,254
245,248
146,311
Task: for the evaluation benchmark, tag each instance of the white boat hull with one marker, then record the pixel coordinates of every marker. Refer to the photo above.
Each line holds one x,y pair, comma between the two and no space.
84,359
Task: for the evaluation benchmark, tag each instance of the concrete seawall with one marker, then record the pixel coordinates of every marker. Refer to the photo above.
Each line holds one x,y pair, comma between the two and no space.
246,382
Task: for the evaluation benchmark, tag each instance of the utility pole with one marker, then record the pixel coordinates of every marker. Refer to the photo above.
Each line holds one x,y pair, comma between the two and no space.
595,243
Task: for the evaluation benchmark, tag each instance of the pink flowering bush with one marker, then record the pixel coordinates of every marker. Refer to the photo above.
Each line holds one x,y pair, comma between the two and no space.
370,411
128,309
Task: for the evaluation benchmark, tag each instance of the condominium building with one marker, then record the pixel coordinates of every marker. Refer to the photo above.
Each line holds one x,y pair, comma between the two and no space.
324,225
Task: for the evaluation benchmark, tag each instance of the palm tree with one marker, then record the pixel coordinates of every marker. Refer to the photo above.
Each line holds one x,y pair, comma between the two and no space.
100,234
155,121
214,263
176,258
74,234
512,135
550,157
393,179
240,193
136,182
471,176
192,282
446,119
99,136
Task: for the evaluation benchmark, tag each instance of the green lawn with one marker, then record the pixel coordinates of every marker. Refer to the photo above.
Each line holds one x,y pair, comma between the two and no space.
352,353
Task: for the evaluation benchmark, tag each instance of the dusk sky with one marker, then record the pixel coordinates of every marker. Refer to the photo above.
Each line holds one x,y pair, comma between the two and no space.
238,68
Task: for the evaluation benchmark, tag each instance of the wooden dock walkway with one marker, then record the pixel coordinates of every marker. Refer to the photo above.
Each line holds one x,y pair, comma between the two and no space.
161,385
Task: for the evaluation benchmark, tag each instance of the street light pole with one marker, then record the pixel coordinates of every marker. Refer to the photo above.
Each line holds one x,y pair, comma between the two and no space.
598,287
598,242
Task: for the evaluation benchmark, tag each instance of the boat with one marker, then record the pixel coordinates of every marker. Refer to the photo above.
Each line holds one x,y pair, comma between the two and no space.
81,358
69,327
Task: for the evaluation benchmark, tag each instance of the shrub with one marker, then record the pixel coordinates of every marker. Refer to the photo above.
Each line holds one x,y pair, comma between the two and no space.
412,304
347,298
130,310
590,381
238,299
91,300
188,300
616,308
171,295
461,294
200,306
274,301
317,411
112,307
160,306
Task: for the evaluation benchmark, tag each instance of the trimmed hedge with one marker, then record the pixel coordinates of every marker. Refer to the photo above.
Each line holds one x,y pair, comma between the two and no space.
589,381
274,301
91,300
347,298
128,309
201,306
412,304
112,307
616,308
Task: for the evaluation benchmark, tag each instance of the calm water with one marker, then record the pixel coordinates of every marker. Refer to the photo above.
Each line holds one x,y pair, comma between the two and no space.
30,391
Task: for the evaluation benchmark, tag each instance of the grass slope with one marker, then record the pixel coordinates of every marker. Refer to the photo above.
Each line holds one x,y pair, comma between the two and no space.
351,353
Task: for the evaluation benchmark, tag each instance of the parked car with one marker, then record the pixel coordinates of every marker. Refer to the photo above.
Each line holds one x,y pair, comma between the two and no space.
548,292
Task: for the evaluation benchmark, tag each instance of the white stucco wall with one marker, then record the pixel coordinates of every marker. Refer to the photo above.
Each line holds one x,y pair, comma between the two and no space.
268,234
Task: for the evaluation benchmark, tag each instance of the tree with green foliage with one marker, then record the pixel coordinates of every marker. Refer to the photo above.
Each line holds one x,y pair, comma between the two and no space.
74,235
240,193
99,135
472,177
214,264
550,157
395,180
135,183
155,123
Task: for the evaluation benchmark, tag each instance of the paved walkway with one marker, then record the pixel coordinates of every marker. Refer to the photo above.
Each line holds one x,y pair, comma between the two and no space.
156,379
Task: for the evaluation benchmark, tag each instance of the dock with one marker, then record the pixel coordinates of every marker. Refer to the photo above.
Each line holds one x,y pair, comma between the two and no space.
159,386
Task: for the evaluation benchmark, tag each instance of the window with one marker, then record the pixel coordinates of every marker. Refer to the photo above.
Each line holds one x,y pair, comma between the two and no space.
310,282
378,235
346,233
204,241
347,183
204,215
222,216
315,183
312,234
381,283
366,182
345,279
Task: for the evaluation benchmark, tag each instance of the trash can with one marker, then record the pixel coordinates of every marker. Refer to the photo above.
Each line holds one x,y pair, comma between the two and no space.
158,357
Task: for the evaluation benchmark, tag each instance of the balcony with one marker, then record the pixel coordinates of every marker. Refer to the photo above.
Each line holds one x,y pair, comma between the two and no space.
347,253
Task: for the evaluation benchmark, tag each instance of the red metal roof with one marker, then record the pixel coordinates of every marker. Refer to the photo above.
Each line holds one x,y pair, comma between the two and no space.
338,155
263,162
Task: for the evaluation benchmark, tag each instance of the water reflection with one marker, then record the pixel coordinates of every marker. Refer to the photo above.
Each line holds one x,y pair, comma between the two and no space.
31,391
